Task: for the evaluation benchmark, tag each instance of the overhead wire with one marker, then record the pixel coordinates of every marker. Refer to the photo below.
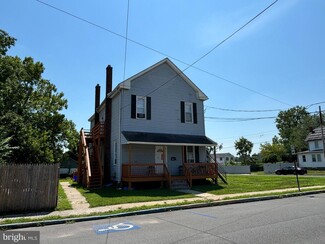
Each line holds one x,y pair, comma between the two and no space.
126,39
171,57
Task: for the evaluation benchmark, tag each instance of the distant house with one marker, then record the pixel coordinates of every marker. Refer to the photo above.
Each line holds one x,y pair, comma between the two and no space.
149,128
314,157
224,158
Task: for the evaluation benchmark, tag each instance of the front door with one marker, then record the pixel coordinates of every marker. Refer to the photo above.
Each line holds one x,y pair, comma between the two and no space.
160,156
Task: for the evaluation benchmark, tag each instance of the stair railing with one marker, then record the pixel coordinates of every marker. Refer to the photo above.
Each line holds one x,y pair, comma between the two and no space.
85,155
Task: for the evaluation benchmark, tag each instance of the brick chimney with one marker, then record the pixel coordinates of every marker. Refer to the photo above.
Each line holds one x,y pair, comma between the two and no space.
97,103
108,121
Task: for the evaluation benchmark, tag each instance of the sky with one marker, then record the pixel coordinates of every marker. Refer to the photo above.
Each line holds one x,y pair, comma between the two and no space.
272,64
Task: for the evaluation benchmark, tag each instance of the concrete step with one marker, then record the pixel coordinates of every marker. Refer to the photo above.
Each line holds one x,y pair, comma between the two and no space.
179,184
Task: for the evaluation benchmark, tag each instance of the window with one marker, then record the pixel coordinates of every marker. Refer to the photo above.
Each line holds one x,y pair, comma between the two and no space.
190,154
313,157
319,158
220,158
188,112
304,158
316,145
140,107
227,158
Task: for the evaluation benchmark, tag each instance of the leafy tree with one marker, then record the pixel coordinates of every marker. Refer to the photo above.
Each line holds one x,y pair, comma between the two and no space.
30,107
294,125
273,152
244,148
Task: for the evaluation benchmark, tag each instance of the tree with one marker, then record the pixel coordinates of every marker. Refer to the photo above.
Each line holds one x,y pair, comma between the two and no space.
273,152
294,125
30,107
244,148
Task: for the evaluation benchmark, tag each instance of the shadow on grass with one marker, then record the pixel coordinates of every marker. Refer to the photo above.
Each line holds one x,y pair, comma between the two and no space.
111,195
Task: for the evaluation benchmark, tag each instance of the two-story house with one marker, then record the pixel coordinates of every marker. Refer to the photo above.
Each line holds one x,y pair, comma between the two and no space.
314,157
149,128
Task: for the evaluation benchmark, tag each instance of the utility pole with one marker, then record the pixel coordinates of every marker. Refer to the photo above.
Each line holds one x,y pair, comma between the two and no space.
293,152
321,128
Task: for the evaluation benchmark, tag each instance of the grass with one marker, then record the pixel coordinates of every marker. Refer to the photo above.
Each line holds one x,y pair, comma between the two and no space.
253,183
134,209
63,202
111,195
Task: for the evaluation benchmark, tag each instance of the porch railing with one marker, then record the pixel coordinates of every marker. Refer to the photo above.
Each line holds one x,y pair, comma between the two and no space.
144,170
85,153
201,169
98,131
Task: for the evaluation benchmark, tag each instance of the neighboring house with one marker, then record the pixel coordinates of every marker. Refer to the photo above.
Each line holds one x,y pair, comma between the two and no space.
68,166
224,158
314,157
149,128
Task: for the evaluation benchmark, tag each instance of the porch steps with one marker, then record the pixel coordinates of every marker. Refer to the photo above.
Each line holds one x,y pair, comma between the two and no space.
95,179
179,185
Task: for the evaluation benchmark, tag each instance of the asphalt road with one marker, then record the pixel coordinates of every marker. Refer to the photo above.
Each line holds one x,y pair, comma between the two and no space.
290,220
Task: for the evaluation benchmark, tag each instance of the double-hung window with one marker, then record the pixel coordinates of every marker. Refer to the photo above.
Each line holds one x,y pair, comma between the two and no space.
140,107
188,112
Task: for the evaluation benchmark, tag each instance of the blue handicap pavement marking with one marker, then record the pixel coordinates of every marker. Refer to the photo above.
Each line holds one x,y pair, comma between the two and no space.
110,228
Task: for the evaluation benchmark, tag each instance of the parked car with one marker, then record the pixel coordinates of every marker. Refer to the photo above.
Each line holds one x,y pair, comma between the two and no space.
291,170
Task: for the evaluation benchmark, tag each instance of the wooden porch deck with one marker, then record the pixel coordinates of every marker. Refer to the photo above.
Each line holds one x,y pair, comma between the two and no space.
159,172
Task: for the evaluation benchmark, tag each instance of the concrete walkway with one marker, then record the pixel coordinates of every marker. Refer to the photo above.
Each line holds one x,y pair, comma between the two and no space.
81,207
78,201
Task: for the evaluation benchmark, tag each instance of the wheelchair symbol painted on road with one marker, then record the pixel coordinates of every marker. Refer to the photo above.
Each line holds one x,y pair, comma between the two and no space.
110,228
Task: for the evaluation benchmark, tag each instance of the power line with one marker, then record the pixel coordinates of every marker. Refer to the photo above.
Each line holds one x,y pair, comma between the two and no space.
171,57
313,104
255,134
244,110
126,37
238,119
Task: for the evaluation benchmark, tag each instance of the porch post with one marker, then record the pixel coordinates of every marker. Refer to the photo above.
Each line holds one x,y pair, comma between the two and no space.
129,153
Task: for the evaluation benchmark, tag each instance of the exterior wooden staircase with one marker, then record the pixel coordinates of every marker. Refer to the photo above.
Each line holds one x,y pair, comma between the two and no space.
90,170
222,174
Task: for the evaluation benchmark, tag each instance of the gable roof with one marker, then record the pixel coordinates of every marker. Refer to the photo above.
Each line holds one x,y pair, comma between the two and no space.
127,83
316,134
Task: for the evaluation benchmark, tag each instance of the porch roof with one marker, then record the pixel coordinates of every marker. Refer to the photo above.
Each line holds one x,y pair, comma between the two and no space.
133,137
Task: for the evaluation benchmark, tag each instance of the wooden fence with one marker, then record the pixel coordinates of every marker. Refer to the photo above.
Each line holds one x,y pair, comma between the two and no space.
25,187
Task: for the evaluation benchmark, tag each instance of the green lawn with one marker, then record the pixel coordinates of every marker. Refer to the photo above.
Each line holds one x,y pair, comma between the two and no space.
251,183
237,184
111,195
63,202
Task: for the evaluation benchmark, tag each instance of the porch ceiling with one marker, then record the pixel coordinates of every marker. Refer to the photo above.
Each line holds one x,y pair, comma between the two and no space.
134,137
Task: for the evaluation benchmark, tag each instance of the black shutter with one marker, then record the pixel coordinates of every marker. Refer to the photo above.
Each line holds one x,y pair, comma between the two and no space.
182,112
197,154
148,108
194,113
133,106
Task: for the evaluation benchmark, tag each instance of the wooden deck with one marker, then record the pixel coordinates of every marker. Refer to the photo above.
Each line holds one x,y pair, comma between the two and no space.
159,172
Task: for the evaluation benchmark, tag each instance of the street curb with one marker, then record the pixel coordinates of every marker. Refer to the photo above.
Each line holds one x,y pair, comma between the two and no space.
156,210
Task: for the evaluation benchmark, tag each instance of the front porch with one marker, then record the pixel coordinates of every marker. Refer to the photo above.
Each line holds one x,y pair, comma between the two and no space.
188,172
165,158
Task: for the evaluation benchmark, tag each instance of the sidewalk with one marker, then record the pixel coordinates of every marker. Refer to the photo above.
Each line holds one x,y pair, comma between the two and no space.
81,207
